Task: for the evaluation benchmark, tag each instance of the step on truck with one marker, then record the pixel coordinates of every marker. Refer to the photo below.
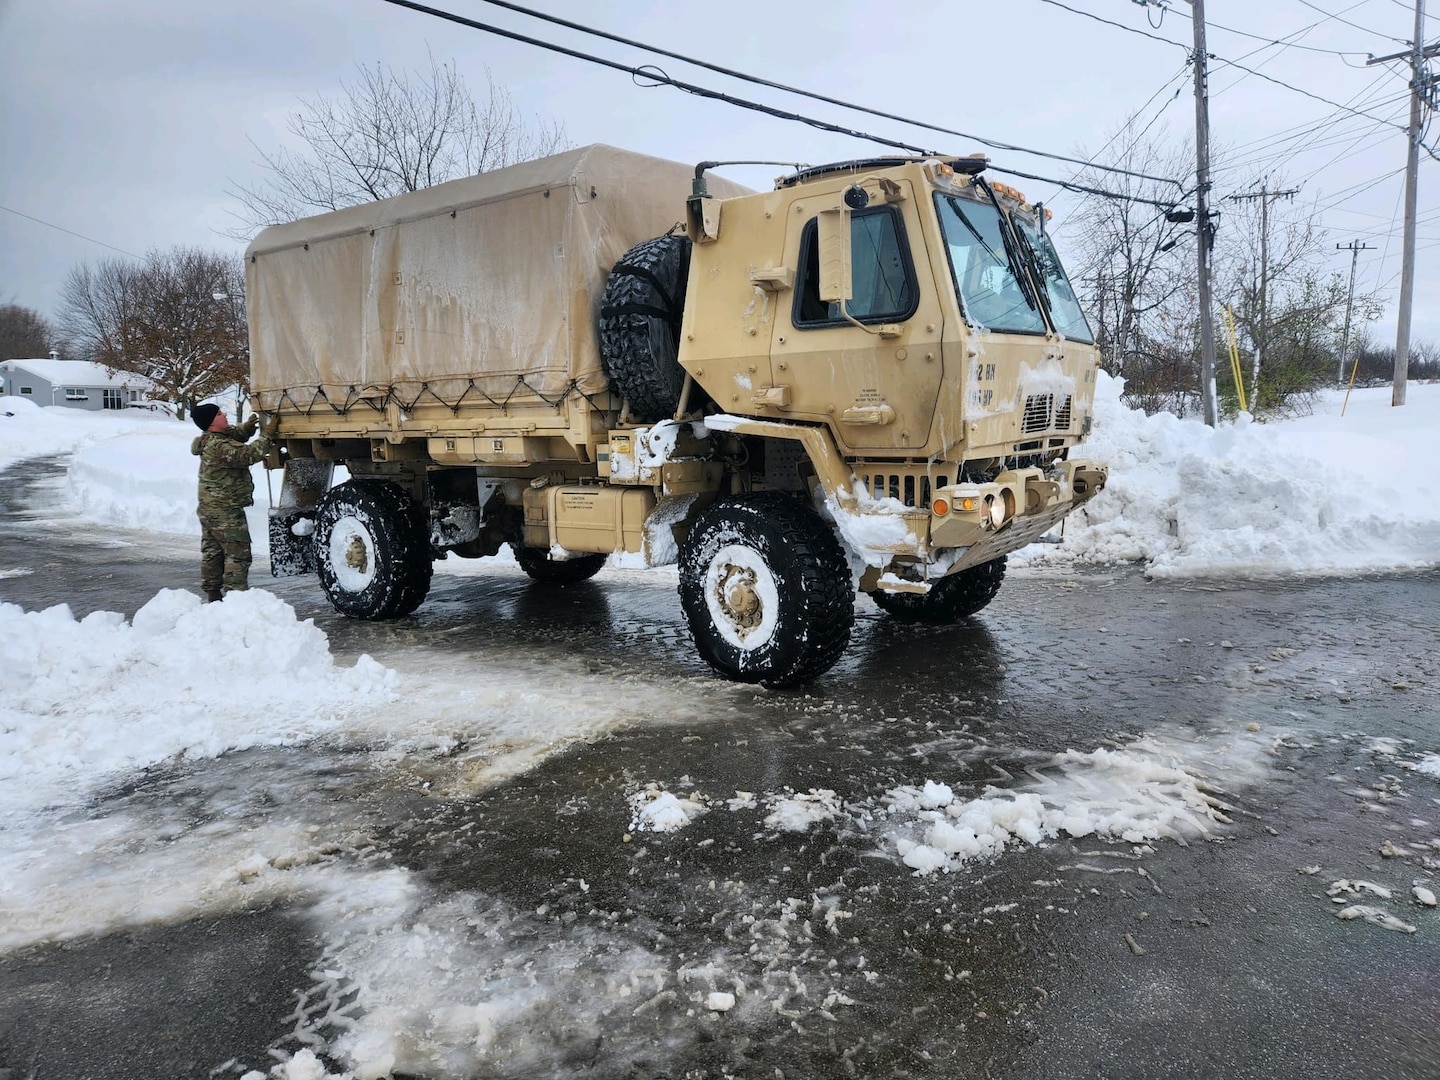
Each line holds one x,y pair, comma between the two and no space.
868,378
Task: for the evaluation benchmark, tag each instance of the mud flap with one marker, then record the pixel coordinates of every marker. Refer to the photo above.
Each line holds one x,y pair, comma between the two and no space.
292,519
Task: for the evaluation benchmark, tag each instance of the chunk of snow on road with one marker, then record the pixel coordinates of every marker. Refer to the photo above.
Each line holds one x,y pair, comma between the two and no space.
1376,917
1344,885
655,810
1429,765
719,1001
1423,896
933,795
796,813
1134,794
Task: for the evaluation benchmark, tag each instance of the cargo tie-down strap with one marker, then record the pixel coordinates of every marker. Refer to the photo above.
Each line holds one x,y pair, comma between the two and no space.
378,397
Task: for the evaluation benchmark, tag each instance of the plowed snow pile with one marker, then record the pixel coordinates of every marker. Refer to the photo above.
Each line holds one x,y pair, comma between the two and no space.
1318,494
81,700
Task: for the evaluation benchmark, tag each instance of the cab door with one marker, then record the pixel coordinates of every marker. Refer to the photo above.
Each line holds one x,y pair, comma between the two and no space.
875,383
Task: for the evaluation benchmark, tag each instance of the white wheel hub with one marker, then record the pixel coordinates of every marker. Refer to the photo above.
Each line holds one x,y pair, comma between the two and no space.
352,554
742,597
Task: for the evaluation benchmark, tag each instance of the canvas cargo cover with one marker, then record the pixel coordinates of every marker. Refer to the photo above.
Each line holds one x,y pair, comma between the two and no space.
459,291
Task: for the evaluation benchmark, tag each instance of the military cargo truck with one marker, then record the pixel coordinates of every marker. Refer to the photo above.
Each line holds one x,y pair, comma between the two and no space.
868,378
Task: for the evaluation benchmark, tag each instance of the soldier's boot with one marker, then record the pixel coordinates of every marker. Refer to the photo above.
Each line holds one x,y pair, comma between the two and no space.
213,596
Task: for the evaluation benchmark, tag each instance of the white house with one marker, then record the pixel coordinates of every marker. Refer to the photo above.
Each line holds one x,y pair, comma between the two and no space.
77,384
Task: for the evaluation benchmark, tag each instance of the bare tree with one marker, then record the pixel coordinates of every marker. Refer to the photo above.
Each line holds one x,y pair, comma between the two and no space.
1137,288
24,332
177,318
387,133
1296,337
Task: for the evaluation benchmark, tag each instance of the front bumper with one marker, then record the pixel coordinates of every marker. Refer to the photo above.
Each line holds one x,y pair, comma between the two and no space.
970,524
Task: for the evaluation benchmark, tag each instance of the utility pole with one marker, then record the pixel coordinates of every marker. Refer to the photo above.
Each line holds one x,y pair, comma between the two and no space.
1354,247
1417,54
1266,197
1205,229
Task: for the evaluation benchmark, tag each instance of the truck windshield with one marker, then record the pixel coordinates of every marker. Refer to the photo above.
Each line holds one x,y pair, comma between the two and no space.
1065,310
992,296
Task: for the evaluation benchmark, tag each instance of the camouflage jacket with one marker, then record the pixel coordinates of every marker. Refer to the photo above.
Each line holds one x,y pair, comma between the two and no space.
225,460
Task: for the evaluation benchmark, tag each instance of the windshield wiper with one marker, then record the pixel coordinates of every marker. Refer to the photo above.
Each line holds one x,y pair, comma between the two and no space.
1012,255
1039,265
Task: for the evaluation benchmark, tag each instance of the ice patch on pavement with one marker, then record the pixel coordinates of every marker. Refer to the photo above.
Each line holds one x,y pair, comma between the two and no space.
83,700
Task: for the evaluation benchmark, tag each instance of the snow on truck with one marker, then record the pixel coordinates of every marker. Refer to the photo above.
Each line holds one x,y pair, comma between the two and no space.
870,377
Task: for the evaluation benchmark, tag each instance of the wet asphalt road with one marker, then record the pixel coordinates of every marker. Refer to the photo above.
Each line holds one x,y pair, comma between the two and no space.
1239,967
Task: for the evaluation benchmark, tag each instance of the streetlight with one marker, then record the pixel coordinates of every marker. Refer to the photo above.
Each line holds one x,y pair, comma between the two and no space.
220,297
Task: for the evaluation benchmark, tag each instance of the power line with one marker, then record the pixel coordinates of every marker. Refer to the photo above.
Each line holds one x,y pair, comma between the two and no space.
1218,59
759,81
1273,41
1120,26
659,77
70,232
1347,22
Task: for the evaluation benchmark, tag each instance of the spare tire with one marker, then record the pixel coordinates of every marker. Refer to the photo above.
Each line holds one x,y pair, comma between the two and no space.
640,325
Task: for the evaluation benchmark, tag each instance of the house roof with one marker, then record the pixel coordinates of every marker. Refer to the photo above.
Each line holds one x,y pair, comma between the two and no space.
74,373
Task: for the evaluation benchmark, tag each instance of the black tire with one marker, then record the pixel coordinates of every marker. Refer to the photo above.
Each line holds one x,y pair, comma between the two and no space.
739,550
950,599
372,550
547,571
640,325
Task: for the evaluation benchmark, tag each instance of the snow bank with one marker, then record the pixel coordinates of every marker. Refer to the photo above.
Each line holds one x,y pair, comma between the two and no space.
82,700
1319,494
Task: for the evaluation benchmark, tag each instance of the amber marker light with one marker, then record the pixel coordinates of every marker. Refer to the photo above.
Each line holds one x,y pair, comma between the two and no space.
969,503
941,507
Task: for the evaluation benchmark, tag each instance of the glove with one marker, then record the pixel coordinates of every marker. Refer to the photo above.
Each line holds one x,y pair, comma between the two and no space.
271,426
252,420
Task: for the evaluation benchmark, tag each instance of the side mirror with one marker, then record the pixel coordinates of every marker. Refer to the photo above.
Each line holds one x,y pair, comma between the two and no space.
833,235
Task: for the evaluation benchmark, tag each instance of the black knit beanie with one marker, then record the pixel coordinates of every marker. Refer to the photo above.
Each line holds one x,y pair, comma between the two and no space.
204,416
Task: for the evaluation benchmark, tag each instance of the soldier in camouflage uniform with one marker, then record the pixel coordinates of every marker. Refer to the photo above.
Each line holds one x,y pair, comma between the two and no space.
226,454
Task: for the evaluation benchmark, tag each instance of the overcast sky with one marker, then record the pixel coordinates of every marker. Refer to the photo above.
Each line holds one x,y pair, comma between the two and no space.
128,122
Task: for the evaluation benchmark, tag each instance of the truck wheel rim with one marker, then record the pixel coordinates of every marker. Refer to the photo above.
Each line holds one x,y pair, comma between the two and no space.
741,595
352,554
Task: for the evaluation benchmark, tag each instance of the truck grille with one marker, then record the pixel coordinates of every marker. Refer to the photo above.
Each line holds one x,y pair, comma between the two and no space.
1062,415
1037,413
912,489
1041,414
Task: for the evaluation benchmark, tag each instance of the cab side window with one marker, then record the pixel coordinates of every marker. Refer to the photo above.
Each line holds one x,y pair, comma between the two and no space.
883,285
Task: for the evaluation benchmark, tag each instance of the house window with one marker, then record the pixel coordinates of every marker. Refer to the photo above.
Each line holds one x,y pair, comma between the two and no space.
114,399
76,393
27,389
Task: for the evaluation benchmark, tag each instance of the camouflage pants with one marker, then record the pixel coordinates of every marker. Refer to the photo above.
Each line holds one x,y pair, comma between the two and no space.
224,551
